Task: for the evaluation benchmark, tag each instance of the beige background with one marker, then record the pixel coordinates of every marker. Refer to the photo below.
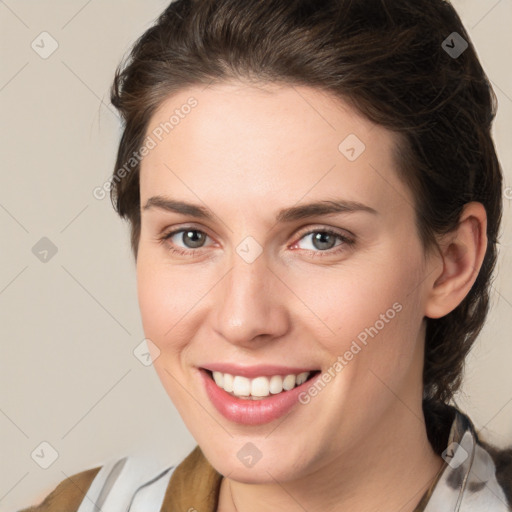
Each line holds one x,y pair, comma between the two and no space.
68,375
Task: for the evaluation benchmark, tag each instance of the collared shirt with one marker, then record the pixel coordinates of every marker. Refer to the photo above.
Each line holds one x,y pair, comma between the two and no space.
467,482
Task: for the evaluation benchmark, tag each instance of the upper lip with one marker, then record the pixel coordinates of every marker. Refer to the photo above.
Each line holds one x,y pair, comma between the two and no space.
258,370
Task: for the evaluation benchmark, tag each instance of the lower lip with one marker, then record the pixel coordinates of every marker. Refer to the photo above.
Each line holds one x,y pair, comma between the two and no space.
252,412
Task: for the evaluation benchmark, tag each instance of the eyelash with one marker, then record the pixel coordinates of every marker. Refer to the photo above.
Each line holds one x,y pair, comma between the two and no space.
346,242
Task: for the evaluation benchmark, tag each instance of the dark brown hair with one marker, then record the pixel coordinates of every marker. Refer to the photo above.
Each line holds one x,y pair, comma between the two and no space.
385,57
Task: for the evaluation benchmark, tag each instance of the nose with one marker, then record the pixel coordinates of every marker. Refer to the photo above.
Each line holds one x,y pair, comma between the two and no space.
251,304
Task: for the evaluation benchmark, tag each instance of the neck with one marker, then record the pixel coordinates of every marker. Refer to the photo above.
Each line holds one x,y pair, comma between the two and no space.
389,471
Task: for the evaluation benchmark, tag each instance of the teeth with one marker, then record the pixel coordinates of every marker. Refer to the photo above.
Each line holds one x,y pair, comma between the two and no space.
276,384
219,379
258,387
227,382
241,386
302,377
289,382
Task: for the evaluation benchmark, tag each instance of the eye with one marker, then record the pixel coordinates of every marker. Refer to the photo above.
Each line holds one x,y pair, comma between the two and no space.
190,237
321,241
324,241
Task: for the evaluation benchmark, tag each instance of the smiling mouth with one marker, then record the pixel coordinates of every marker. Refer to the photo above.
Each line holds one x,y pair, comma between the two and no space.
259,388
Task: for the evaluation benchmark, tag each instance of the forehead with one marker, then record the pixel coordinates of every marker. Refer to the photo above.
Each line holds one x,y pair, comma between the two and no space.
268,142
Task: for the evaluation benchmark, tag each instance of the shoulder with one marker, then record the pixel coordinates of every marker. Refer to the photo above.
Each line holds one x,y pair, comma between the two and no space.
68,494
446,424
139,478
502,458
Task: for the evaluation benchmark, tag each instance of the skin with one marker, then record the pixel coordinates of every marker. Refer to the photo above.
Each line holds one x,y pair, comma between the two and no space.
245,152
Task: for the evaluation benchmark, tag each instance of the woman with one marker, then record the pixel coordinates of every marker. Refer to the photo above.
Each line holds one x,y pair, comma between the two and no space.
314,200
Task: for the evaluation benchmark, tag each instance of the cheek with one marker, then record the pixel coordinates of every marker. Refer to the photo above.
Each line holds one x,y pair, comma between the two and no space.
166,296
373,352
372,310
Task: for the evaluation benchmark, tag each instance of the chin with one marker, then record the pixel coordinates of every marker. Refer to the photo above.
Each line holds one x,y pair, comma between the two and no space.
265,470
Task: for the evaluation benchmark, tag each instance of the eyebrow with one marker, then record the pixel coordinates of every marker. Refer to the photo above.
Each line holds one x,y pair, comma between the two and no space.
291,214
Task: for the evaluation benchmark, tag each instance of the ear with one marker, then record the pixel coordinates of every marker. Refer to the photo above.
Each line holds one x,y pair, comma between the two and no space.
461,255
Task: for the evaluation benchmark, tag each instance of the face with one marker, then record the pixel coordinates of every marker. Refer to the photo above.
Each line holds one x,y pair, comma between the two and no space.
251,285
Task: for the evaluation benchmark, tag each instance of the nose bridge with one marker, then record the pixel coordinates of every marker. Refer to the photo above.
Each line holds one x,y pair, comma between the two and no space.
250,303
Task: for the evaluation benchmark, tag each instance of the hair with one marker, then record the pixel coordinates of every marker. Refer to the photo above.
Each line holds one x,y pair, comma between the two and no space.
387,59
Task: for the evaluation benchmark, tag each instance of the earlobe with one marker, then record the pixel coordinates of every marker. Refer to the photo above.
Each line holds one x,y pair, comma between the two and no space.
461,255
